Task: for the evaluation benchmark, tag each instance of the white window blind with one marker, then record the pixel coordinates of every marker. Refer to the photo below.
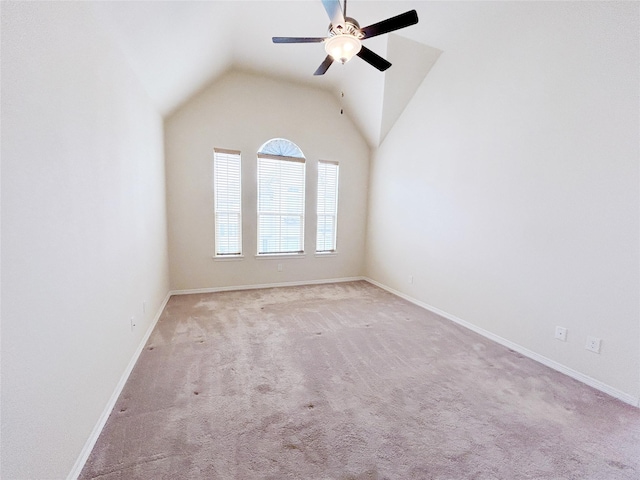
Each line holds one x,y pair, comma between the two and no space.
227,202
280,204
327,206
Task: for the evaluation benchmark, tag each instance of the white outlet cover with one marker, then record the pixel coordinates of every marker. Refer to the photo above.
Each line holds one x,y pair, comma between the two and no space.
561,334
593,344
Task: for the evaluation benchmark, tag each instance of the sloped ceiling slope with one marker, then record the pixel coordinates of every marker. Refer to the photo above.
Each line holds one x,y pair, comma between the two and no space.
178,47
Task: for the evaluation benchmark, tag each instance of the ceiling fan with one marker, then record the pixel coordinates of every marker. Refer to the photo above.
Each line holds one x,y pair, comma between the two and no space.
345,36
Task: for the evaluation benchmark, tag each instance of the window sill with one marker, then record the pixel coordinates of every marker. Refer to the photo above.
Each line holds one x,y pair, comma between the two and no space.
326,254
276,256
227,258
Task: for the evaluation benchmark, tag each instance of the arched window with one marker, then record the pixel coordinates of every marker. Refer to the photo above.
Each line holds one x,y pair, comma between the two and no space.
281,147
281,178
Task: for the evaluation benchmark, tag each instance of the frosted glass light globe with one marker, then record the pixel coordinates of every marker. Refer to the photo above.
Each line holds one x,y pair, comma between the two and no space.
342,47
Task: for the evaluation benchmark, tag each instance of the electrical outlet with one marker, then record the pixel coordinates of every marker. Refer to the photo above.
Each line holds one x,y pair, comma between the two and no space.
279,267
593,344
561,334
133,323
411,279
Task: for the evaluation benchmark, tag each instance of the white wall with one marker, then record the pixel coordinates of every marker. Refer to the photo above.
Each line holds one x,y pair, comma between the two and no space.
509,188
83,230
241,111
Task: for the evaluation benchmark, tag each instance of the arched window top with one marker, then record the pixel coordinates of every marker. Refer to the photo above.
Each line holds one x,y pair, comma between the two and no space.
281,147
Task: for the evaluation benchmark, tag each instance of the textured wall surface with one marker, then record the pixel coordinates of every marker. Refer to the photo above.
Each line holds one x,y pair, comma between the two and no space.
509,189
83,230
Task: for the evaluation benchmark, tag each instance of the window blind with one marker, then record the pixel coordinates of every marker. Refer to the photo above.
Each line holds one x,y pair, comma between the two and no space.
280,204
227,202
327,206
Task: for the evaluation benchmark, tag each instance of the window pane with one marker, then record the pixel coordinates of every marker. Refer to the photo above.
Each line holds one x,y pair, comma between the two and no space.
280,205
327,206
227,202
281,147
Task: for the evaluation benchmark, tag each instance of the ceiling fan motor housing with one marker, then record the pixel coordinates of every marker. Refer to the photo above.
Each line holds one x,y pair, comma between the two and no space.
350,27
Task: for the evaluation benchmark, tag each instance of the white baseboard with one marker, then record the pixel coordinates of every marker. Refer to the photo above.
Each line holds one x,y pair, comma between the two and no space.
95,433
592,382
265,285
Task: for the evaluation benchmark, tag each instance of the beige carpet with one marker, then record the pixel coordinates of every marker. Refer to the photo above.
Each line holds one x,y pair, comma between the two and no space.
348,382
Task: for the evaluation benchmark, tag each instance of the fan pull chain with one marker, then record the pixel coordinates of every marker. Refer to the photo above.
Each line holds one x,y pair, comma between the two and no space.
342,83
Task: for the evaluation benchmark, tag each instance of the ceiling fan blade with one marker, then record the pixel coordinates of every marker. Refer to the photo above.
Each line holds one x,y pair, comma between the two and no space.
324,66
334,10
374,59
297,39
391,24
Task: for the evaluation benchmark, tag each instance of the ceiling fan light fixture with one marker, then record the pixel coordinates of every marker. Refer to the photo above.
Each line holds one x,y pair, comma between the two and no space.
342,47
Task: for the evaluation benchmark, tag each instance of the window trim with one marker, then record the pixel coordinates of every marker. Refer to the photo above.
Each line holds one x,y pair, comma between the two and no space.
276,256
268,156
228,258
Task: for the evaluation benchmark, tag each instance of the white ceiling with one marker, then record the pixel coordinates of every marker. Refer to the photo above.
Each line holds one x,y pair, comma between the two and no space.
178,47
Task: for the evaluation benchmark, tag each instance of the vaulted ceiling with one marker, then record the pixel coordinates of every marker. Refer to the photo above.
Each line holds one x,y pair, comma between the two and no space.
178,47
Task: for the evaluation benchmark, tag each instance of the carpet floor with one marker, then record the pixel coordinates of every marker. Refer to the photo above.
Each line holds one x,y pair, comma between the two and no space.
348,382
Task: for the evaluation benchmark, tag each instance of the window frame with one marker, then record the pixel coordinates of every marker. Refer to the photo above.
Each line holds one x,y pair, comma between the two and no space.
217,211
333,215
280,213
